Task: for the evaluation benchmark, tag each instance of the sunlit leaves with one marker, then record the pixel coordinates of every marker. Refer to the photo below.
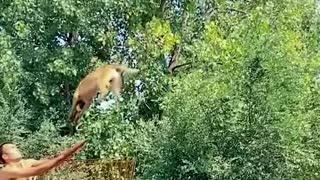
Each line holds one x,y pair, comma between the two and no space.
22,29
213,34
10,66
246,108
158,38
107,37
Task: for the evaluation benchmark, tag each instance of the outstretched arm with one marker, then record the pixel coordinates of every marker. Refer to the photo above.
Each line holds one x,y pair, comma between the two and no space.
42,168
36,163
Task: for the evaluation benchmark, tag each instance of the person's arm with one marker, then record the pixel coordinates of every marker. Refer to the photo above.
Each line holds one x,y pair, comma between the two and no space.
35,163
42,168
44,160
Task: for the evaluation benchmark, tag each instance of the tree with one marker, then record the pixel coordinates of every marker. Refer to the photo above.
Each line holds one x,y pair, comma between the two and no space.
242,105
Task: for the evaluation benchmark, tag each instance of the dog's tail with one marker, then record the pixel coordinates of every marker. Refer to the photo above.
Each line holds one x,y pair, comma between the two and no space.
124,69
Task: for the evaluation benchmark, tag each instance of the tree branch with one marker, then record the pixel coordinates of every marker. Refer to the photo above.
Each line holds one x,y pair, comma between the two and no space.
211,12
162,8
173,64
184,64
237,10
174,59
72,38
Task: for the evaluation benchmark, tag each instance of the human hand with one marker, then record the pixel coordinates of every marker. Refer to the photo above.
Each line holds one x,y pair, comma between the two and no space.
66,154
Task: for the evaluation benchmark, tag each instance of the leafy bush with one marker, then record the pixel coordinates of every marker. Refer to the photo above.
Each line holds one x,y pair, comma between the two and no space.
246,108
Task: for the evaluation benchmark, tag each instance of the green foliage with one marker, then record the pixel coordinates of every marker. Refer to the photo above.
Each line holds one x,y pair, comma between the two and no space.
247,107
46,142
13,120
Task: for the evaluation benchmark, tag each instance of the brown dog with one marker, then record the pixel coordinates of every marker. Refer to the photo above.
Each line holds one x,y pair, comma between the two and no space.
104,79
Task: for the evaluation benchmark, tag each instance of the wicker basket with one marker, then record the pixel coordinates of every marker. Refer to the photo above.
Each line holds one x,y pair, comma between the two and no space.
122,169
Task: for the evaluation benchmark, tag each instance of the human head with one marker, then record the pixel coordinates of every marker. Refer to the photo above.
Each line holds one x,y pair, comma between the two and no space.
9,152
